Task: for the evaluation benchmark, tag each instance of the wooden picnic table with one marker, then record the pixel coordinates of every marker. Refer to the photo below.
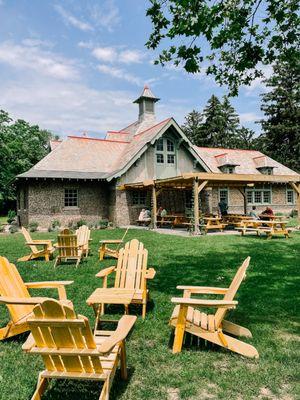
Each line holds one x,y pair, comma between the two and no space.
103,296
275,227
104,250
213,223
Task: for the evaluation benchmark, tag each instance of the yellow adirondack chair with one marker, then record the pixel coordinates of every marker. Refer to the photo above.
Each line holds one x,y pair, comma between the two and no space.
69,349
131,272
83,237
211,327
14,294
45,252
68,248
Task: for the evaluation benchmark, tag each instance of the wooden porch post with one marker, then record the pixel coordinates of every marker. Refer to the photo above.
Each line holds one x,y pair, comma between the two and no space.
196,206
154,207
197,189
243,193
296,187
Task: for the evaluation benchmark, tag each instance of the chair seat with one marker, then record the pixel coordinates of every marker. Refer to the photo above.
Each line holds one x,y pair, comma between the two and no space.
197,318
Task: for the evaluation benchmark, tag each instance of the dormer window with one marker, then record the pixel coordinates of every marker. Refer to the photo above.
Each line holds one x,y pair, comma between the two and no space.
165,152
266,170
228,169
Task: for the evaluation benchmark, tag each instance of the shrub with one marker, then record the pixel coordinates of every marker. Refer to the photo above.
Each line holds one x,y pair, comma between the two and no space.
33,226
11,215
80,223
294,213
2,227
54,226
103,223
13,229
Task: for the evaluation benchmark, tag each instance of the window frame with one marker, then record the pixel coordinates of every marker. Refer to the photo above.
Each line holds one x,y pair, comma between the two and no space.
225,189
68,198
290,191
251,193
165,147
139,198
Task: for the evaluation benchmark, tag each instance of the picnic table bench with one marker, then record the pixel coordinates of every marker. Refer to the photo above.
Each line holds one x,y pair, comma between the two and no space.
212,223
270,228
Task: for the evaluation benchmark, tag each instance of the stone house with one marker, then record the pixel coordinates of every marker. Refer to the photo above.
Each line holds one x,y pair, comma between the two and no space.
81,177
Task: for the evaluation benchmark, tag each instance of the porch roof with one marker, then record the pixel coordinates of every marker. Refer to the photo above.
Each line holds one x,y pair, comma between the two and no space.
213,179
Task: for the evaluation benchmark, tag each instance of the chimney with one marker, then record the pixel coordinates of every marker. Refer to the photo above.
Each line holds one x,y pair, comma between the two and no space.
146,103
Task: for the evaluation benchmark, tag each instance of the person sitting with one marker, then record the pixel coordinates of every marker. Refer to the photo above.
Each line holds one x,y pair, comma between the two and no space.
147,215
267,214
223,208
142,215
159,211
252,213
163,212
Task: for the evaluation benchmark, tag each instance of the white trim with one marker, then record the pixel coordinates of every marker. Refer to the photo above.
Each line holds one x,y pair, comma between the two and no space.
287,189
226,188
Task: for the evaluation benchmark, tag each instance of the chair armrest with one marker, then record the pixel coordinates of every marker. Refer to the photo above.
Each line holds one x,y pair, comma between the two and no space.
104,272
203,289
204,303
22,300
59,285
124,326
150,273
47,284
39,242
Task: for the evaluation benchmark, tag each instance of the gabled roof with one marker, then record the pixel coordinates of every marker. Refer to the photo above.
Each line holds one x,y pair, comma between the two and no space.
246,161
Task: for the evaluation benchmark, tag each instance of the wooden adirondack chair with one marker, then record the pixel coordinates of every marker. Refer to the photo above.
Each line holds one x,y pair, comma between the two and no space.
211,327
69,349
14,294
45,252
83,237
131,272
68,248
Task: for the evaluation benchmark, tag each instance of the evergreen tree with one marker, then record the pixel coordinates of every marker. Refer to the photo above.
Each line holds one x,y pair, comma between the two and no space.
227,136
213,122
192,125
281,106
245,139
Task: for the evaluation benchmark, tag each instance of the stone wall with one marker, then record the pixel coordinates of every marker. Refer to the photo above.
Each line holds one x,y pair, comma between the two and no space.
236,201
46,202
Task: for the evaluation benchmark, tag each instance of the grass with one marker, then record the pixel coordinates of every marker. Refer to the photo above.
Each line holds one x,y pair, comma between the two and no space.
267,306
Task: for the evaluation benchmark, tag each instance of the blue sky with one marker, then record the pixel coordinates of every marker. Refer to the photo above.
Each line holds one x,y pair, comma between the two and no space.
76,65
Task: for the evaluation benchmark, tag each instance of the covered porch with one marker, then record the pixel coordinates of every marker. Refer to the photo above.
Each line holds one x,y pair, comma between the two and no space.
194,184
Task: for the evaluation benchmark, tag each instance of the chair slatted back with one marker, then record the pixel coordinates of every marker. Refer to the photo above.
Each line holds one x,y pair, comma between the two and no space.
83,235
28,239
67,244
55,329
132,266
233,288
12,285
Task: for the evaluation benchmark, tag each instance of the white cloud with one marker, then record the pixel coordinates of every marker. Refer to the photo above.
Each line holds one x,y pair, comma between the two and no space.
114,55
69,19
258,84
105,15
249,117
131,56
33,58
107,54
67,107
34,42
119,73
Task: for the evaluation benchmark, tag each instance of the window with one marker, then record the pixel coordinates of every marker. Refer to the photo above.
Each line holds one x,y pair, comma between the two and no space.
171,158
266,170
159,158
71,197
223,195
160,145
188,199
165,152
139,198
259,196
170,146
228,169
290,196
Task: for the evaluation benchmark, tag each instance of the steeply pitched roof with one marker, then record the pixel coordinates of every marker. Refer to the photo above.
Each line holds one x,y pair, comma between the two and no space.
246,161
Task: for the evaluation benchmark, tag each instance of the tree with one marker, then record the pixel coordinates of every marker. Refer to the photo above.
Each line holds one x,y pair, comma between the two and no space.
218,126
232,40
281,106
21,146
192,127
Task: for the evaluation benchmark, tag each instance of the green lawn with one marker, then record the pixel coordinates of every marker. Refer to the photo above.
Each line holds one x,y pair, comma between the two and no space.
267,306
